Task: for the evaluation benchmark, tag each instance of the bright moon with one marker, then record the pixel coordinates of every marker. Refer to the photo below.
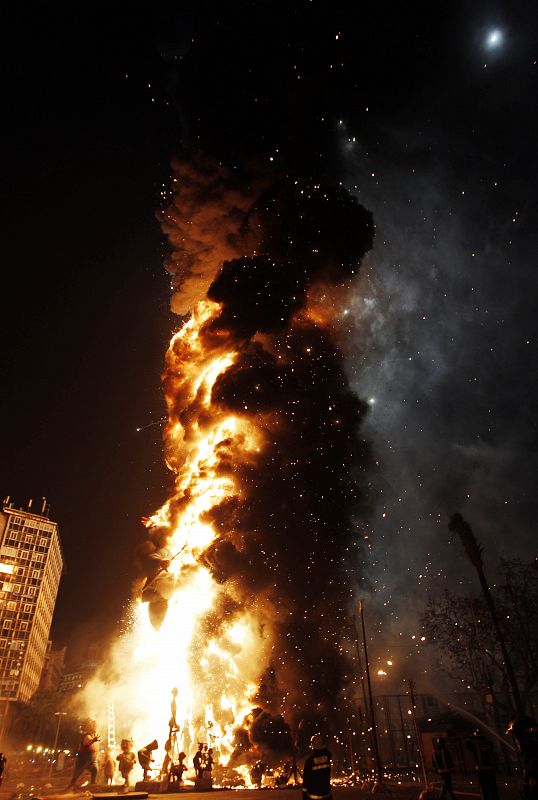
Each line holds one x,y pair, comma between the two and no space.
494,39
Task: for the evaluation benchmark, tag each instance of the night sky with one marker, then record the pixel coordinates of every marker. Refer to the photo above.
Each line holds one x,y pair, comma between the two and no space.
419,111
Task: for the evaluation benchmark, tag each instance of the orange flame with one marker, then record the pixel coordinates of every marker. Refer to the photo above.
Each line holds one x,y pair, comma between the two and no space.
198,438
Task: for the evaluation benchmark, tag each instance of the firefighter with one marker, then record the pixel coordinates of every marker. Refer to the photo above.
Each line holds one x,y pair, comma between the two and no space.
525,731
317,771
484,757
444,765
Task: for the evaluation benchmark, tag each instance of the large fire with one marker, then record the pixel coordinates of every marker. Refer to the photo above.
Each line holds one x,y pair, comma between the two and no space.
200,446
261,439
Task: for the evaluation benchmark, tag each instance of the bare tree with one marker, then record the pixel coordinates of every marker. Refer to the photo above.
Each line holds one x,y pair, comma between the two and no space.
468,643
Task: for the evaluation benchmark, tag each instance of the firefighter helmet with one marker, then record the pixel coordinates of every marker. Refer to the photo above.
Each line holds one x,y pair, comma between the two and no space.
316,742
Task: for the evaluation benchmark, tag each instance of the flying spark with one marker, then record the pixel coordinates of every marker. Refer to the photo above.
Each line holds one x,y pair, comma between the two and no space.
151,424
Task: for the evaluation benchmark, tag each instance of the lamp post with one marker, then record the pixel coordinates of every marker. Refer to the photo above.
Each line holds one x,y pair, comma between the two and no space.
378,770
420,744
58,714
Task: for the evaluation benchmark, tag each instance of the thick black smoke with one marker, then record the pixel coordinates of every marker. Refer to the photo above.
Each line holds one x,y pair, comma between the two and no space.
290,542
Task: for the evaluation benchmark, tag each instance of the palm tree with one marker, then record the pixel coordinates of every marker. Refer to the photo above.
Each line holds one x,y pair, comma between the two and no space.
474,553
35,719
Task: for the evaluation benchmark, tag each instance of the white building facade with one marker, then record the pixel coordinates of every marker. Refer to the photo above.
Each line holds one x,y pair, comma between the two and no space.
31,565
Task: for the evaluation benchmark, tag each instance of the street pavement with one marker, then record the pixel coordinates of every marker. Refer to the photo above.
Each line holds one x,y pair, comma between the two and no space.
466,789
389,791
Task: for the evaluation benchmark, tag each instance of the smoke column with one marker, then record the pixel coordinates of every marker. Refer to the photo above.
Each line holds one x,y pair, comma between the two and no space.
263,440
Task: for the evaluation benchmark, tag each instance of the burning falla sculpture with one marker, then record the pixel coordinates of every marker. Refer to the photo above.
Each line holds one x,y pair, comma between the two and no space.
262,443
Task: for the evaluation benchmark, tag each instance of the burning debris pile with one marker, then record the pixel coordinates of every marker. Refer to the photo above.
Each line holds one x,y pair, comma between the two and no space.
249,567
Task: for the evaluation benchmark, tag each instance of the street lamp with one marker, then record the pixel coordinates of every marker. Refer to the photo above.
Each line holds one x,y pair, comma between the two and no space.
58,714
